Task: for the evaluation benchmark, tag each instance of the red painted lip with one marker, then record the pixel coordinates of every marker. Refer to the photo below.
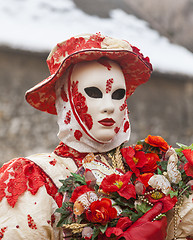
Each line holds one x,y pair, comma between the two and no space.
107,122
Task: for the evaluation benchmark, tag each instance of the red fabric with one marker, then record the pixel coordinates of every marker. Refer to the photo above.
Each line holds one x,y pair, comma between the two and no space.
20,175
63,150
147,229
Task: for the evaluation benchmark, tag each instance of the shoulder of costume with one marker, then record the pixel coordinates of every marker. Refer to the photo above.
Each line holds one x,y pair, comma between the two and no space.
55,166
29,174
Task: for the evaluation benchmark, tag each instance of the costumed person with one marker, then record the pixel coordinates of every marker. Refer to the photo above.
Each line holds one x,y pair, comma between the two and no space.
91,78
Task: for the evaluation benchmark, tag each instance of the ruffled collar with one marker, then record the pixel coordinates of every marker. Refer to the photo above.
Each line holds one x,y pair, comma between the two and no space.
62,150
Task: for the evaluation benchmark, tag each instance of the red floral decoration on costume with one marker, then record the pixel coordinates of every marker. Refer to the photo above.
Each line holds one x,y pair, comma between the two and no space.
31,222
2,231
68,117
157,141
188,167
70,46
81,107
119,184
101,211
135,159
20,175
63,150
126,126
109,85
53,162
146,60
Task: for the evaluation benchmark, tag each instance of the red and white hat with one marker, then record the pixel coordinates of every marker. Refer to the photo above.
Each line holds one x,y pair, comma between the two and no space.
89,47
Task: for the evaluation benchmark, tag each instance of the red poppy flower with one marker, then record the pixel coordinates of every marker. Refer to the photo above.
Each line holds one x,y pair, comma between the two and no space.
157,141
78,191
138,147
120,184
151,164
101,211
135,159
167,201
144,178
188,167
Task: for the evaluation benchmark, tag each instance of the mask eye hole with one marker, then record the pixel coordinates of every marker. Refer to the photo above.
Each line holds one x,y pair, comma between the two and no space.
118,94
93,92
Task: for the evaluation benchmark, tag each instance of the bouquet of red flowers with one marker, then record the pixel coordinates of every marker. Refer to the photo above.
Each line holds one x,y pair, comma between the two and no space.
131,204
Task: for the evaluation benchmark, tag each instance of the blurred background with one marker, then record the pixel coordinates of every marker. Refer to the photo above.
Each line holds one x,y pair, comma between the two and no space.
31,28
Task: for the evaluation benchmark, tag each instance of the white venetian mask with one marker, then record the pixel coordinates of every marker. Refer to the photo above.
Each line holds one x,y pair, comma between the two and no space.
98,94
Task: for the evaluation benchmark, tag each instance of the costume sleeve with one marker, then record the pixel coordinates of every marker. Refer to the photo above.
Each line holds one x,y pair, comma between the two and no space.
28,200
184,220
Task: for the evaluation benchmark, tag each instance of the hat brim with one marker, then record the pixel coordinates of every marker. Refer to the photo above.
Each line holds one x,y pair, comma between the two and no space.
136,71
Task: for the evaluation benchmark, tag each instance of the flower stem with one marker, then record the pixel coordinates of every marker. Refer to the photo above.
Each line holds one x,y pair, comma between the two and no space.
183,191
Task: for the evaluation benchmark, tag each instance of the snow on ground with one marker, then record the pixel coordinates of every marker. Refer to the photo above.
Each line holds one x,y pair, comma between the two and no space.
37,25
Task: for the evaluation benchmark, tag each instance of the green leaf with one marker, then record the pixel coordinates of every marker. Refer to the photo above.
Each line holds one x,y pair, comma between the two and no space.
143,207
159,172
182,145
103,228
96,232
120,201
79,179
163,165
66,212
172,193
132,215
160,216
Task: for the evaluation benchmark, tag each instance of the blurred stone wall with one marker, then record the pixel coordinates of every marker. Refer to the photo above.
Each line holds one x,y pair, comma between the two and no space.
173,19
163,106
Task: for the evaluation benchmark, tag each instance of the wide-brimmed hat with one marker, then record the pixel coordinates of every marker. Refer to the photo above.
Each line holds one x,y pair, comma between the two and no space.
89,47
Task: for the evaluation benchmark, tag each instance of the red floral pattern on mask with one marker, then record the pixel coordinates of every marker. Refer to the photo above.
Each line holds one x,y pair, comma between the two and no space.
126,126
63,150
109,85
81,107
123,106
68,117
77,135
20,175
116,130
